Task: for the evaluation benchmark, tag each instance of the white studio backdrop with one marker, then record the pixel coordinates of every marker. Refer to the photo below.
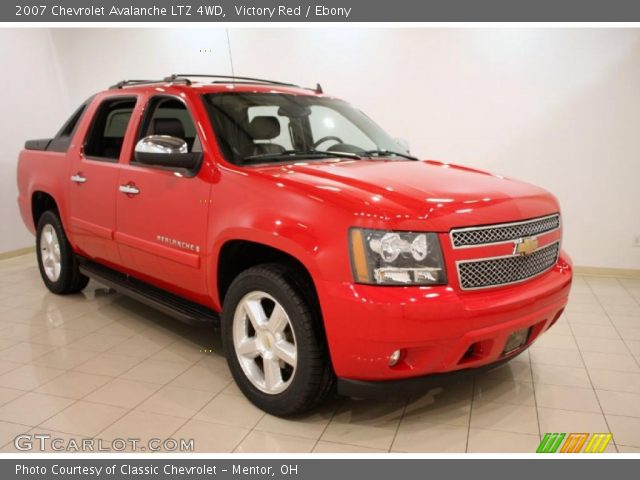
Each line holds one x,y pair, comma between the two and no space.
557,107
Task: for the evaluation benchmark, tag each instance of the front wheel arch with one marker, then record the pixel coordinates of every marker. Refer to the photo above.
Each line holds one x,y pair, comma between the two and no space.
236,256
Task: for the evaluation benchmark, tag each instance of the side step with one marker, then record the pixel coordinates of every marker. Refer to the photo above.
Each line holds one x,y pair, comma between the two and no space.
173,305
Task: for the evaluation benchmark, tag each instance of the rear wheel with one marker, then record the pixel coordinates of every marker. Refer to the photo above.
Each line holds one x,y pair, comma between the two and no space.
56,260
273,341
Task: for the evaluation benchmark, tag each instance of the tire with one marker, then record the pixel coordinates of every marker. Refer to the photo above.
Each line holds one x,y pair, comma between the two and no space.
57,263
300,387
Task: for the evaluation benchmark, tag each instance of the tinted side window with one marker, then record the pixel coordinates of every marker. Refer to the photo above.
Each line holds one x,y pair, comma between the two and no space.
170,116
106,135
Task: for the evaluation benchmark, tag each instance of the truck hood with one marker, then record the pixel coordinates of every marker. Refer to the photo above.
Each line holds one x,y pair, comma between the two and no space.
444,195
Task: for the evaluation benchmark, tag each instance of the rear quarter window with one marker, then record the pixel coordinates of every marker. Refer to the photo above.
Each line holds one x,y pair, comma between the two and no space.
117,122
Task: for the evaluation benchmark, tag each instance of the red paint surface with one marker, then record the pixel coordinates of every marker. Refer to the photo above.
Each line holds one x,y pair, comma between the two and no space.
306,211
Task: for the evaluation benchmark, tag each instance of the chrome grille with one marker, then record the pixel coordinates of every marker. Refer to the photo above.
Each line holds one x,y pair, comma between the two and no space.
504,270
469,237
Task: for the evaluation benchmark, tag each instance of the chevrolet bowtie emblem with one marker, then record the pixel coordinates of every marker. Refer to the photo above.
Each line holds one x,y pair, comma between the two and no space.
525,246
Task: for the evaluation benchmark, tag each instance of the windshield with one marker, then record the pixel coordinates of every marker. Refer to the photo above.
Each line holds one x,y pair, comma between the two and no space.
272,127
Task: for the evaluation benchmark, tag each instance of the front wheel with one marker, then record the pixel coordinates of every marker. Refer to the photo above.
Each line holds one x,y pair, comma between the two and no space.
273,341
56,260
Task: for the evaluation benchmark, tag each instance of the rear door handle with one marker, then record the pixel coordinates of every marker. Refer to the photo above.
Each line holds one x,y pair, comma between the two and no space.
129,189
78,178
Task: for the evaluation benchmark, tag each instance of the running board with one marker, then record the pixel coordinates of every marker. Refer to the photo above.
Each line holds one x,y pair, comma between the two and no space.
173,305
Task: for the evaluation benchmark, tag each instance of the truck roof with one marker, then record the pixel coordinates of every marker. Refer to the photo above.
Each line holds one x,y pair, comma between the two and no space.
217,83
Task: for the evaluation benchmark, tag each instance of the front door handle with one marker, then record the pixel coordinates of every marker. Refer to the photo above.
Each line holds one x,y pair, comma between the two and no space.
78,178
129,189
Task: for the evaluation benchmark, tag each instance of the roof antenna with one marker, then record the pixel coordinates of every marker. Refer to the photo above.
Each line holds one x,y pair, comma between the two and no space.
319,88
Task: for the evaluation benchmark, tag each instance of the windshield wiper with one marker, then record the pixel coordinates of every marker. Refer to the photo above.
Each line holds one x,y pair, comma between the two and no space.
297,154
382,153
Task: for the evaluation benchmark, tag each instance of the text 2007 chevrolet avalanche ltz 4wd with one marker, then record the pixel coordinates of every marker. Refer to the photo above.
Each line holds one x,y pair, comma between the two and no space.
330,257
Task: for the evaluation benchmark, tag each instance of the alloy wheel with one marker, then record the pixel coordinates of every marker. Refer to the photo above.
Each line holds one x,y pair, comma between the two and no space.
50,253
264,342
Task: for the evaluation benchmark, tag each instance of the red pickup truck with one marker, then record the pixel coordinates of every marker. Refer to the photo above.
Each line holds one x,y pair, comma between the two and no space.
329,256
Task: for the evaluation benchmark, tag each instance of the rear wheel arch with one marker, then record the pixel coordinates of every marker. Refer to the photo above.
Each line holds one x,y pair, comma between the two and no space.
41,202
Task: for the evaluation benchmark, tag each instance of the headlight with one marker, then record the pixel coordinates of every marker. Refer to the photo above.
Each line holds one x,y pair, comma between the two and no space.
396,258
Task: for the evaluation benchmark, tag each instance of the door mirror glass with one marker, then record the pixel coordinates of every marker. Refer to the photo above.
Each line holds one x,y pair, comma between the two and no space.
166,151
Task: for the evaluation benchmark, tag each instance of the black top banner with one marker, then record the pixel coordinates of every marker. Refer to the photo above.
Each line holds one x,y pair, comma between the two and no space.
320,11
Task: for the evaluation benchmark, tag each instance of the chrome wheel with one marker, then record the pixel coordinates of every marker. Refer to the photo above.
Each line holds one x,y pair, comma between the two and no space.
50,253
264,342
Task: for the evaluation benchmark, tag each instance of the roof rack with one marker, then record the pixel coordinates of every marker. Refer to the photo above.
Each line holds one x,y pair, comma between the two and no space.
133,83
225,79
185,78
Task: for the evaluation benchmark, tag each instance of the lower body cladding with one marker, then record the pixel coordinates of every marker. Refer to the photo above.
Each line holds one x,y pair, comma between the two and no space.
401,339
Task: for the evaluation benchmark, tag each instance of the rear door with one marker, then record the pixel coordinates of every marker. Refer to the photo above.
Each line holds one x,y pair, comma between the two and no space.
93,178
162,226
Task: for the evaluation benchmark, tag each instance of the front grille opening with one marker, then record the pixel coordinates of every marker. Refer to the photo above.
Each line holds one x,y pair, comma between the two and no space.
468,354
470,237
505,270
476,351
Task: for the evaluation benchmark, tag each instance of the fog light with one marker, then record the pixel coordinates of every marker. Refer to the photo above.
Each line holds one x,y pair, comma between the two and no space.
394,357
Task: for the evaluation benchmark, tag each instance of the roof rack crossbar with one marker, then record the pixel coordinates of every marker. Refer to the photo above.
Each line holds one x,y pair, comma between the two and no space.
232,78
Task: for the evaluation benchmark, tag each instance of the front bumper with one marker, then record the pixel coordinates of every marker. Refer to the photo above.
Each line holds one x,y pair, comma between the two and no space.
406,386
438,329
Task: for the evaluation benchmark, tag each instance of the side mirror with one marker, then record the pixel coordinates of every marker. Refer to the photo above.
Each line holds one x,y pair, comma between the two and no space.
403,143
166,151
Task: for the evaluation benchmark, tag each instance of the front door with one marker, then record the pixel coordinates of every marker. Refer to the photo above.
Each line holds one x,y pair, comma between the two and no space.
162,214
93,179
